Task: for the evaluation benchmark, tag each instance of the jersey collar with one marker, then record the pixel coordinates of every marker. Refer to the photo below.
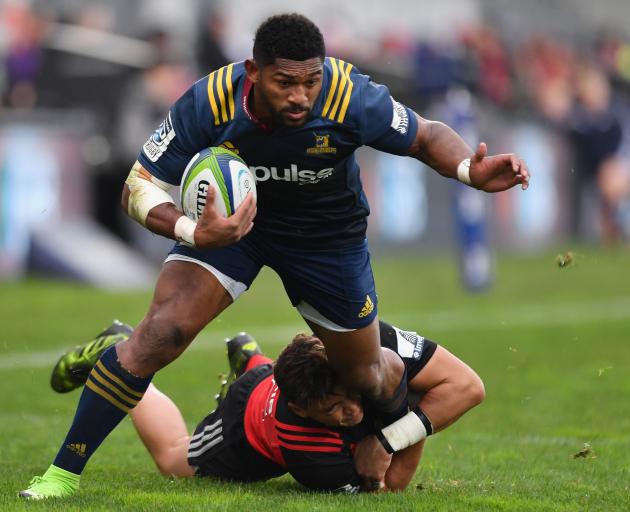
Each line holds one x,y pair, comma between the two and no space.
247,89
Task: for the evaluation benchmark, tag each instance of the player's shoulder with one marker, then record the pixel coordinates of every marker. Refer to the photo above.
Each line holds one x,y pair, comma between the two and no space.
350,95
341,91
217,93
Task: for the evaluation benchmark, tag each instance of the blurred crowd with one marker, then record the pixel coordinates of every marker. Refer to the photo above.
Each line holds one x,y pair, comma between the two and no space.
80,60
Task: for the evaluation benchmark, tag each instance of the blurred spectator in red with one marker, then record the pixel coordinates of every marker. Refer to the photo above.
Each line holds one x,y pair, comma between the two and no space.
492,64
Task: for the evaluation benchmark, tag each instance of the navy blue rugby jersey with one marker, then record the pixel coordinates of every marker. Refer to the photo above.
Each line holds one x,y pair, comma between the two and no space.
308,183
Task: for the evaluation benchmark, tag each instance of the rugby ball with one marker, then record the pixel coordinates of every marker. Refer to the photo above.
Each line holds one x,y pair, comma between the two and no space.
221,169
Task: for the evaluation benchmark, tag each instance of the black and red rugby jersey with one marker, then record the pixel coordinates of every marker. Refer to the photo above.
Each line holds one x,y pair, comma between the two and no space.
318,456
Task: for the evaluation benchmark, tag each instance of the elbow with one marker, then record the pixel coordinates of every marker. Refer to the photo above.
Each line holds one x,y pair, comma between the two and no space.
474,390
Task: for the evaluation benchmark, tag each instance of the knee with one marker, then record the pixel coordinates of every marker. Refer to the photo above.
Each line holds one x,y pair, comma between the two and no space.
377,379
366,379
156,342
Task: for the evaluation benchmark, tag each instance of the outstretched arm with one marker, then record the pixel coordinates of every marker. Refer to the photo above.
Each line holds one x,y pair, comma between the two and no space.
442,149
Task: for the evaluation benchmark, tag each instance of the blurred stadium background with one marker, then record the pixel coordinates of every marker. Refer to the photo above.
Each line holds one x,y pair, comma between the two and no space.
84,83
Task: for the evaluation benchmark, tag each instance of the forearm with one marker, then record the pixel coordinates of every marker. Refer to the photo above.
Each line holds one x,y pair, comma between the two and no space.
147,200
449,388
160,219
440,147
403,467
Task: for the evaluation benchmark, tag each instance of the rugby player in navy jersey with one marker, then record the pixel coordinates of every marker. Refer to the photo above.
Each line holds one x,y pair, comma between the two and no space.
296,117
294,416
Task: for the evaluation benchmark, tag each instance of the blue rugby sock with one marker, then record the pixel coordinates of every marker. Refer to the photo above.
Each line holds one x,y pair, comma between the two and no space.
109,393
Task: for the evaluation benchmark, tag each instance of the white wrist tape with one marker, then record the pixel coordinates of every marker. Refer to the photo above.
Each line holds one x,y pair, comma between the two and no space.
146,192
463,171
404,432
185,231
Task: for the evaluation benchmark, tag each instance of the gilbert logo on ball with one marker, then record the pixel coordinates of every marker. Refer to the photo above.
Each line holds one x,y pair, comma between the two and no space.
221,169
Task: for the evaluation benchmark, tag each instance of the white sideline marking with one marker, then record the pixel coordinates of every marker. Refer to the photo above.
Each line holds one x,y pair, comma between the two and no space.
527,315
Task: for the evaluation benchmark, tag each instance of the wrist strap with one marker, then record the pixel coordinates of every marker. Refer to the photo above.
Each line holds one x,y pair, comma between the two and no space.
185,231
381,437
410,429
463,171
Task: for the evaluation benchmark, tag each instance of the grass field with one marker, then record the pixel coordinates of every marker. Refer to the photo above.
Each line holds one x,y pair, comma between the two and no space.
552,345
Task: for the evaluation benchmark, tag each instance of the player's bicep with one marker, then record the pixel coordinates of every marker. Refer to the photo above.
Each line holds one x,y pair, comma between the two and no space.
421,137
388,125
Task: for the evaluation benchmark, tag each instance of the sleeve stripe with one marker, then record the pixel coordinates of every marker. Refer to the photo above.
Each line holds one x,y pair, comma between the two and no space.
224,116
306,430
333,86
230,92
213,101
346,98
305,448
338,91
311,440
224,92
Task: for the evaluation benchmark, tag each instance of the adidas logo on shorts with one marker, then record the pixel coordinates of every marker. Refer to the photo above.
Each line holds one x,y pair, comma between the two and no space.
367,308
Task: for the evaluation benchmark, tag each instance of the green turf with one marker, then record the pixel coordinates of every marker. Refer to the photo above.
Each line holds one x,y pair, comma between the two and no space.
551,344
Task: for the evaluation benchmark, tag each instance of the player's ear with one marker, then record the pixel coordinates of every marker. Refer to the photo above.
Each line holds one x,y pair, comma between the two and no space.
301,412
252,69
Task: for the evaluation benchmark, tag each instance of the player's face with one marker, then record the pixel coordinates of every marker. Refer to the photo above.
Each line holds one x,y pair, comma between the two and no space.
287,89
339,409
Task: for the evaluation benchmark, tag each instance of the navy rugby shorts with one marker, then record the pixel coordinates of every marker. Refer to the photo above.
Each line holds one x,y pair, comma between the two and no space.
334,287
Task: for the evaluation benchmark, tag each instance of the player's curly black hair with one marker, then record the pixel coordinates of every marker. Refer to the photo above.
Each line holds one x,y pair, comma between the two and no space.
302,371
288,36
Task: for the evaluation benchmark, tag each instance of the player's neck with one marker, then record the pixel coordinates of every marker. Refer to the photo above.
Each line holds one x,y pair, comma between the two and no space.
255,110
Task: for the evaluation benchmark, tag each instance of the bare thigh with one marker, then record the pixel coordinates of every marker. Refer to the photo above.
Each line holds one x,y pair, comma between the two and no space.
186,298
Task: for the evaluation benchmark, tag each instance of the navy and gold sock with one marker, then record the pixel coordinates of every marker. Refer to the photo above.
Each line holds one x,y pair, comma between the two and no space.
109,394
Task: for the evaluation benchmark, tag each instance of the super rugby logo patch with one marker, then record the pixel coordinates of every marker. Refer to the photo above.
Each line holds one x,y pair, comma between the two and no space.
159,141
410,344
400,117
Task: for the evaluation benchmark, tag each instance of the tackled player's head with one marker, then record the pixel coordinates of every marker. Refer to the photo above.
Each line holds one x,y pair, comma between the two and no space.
287,68
313,388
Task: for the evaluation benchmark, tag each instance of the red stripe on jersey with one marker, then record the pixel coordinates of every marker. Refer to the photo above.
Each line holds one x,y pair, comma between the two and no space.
260,422
308,448
311,430
310,439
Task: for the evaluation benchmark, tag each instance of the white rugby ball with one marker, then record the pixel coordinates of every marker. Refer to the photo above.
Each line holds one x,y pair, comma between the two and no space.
221,169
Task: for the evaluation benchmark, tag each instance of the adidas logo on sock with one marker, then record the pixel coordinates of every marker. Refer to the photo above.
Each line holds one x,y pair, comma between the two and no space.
367,308
78,448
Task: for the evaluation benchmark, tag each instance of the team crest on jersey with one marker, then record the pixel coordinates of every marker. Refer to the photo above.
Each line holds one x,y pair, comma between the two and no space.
322,146
229,145
159,141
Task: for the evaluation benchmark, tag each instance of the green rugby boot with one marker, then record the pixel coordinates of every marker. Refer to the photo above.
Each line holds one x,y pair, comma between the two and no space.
240,350
73,368
55,483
